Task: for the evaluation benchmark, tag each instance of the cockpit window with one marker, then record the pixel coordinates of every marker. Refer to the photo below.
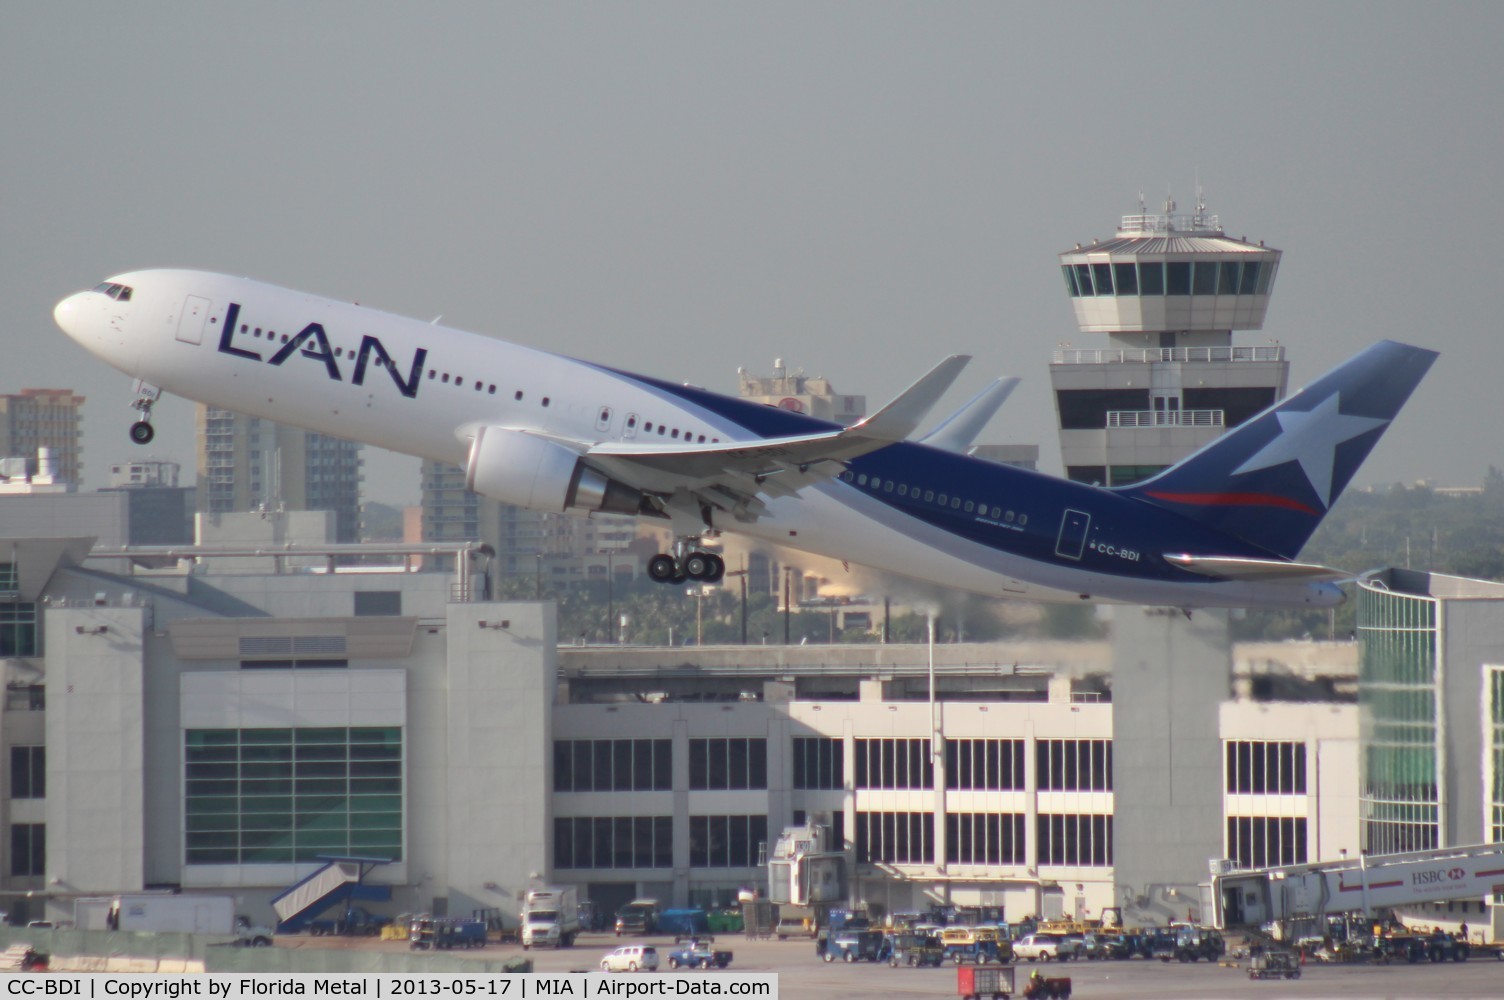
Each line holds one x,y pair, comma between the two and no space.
120,293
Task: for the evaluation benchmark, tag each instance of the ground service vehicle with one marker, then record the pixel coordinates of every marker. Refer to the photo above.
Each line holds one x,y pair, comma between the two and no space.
855,946
1044,988
688,924
640,916
698,955
1274,965
355,921
550,917
1044,947
631,958
913,950
429,933
975,945
169,913
976,983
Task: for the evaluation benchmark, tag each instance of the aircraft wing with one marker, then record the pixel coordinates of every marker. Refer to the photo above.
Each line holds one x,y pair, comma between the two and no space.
736,474
958,431
1257,570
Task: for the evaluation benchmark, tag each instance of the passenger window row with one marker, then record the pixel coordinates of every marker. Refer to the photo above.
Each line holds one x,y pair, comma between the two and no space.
879,485
490,388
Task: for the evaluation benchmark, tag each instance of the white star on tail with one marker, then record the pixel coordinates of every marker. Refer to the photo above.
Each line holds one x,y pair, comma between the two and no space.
1311,438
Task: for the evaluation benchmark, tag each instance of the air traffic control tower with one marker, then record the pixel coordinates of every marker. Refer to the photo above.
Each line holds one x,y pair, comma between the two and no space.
1167,292
1154,375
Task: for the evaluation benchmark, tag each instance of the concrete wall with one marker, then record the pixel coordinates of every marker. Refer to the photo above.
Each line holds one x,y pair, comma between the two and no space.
1170,674
96,824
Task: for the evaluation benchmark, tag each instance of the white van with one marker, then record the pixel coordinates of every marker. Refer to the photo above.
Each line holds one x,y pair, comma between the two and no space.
630,958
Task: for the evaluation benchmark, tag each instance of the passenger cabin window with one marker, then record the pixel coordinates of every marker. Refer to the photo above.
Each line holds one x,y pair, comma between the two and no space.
603,419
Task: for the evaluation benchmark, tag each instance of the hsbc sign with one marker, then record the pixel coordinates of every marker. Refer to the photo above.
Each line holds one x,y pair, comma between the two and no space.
1438,876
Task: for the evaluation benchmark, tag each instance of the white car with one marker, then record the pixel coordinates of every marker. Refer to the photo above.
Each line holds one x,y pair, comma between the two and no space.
630,958
1044,948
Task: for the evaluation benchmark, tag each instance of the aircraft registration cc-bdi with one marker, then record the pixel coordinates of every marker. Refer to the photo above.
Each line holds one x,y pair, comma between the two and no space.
1222,528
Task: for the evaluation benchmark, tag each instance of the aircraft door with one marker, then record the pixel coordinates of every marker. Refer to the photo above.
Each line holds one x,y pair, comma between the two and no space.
1073,527
191,322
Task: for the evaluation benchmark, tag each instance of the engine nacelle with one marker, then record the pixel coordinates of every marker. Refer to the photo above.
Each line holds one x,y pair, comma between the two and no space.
529,471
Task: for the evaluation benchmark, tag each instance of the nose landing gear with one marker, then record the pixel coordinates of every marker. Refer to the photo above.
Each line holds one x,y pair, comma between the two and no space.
146,394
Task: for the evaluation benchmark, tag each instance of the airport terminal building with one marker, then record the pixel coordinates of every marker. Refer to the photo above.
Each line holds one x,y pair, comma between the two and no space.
217,731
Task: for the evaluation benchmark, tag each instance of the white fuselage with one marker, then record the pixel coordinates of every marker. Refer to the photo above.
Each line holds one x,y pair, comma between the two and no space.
422,389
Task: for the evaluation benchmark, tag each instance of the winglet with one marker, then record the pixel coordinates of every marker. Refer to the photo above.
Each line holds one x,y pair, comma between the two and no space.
957,432
901,417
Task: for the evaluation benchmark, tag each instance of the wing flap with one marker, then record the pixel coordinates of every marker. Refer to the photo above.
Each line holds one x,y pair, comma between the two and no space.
774,467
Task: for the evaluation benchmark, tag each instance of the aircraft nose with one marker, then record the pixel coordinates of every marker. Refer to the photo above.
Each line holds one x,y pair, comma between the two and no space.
68,315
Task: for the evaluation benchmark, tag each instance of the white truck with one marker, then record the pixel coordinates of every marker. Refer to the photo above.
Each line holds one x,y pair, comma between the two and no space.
169,913
550,917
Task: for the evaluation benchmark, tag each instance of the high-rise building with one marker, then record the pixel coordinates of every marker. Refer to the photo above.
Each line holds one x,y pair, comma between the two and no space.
1168,291
530,545
44,418
246,463
795,391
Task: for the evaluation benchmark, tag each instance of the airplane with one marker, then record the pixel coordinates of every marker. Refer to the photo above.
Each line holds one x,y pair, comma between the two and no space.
1222,528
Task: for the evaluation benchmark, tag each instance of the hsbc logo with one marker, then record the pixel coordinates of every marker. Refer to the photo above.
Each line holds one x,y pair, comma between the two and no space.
1437,876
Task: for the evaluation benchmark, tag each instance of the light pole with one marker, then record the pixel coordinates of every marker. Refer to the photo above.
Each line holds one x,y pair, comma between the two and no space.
742,573
787,605
610,600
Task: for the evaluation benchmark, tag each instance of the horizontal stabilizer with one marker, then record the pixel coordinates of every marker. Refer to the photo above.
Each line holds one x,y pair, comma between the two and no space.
960,429
1257,570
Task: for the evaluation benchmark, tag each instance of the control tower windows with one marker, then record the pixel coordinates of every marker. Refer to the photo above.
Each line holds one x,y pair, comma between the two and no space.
1178,277
1250,278
1236,403
1205,282
1102,275
1086,409
1151,279
1083,279
1227,283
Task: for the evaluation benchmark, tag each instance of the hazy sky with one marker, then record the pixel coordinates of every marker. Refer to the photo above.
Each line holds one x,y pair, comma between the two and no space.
680,189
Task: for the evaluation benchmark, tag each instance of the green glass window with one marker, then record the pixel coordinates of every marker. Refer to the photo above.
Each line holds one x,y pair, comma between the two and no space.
18,629
1083,279
1398,721
1102,276
1126,278
1151,279
1250,278
10,579
276,796
1070,280
1205,278
1178,277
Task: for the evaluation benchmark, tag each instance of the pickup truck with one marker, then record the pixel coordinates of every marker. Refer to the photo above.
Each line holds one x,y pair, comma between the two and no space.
1042,947
698,955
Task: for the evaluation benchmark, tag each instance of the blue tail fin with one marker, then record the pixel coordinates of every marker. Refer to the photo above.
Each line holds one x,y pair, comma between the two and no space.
1272,480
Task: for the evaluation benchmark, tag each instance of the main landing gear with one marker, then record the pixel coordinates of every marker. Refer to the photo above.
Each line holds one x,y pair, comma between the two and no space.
146,394
687,563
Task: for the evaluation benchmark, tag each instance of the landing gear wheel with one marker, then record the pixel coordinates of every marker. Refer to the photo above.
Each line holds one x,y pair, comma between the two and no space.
662,569
142,432
698,565
717,569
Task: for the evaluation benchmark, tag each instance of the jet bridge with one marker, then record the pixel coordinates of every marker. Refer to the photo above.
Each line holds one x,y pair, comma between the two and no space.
1354,885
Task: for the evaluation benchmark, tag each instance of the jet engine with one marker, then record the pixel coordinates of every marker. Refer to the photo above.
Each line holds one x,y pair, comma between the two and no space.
531,471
